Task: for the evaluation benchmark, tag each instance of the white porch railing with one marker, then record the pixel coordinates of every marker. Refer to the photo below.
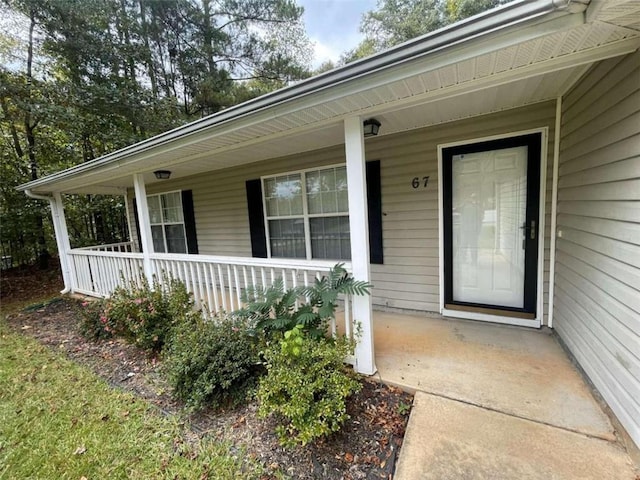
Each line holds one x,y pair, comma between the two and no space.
98,272
111,247
216,283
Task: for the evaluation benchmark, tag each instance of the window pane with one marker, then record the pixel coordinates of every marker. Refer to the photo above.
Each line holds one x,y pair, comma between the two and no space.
327,191
176,242
330,238
343,201
313,182
287,238
328,180
314,203
172,207
158,238
154,209
283,195
341,179
329,202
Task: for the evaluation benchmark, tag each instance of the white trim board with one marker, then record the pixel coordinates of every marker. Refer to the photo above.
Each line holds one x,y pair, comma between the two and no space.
537,322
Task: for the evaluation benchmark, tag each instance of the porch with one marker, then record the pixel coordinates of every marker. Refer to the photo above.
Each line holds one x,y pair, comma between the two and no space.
494,401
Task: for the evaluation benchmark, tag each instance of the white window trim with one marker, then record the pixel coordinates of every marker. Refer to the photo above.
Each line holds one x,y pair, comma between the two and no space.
305,207
163,223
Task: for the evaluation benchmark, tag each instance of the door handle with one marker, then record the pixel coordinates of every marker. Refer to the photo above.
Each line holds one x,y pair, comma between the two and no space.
530,229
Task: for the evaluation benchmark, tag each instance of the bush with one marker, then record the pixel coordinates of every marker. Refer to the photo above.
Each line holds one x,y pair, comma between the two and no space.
213,363
145,316
93,321
306,386
141,314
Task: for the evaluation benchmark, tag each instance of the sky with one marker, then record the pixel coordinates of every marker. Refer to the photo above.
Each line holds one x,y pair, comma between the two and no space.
332,25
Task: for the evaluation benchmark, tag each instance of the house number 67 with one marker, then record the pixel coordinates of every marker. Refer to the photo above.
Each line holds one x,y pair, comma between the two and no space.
417,183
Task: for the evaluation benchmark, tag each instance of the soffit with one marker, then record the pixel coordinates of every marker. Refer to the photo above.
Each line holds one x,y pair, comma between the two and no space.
428,91
623,13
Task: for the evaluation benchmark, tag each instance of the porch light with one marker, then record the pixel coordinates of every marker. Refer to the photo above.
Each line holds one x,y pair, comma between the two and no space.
162,174
371,126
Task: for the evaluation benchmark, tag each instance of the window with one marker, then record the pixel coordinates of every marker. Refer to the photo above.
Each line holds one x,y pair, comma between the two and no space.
167,223
307,214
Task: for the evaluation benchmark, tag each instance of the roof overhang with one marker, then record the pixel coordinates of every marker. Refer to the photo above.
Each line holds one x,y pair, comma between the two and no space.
522,53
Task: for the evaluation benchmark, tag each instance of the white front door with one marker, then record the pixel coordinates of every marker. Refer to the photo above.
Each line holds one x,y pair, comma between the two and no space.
491,208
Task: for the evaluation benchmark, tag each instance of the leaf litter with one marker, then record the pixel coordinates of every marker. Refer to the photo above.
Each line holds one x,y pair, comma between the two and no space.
366,448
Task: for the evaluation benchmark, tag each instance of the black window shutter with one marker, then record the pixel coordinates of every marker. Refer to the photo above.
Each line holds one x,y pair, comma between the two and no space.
374,204
189,222
137,223
256,219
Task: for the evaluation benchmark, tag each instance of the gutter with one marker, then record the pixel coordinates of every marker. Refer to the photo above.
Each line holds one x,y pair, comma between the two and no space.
465,30
55,213
37,196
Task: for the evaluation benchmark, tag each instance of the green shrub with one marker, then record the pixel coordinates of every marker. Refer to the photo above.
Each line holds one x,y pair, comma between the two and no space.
213,363
274,311
306,386
140,313
93,321
145,315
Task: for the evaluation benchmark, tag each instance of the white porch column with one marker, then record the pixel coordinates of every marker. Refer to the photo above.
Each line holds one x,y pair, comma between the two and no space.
145,225
62,240
359,231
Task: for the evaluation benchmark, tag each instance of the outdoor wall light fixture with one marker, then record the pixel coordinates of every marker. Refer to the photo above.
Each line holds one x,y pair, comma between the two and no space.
371,126
162,174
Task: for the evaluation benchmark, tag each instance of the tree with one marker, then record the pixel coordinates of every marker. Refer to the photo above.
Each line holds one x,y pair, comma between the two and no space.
82,78
23,118
397,21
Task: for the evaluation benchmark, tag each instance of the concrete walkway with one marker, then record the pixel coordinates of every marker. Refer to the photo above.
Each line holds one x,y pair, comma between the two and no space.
494,402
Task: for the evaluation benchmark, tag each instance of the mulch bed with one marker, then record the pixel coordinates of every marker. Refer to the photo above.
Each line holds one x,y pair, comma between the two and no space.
366,447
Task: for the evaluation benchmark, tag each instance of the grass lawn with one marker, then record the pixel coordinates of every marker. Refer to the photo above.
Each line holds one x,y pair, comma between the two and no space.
58,420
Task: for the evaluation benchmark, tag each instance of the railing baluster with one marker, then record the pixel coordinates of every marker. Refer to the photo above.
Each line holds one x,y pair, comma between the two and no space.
223,293
347,317
244,275
194,286
238,295
194,267
102,276
121,265
230,288
88,279
95,274
214,288
294,284
253,276
109,270
264,277
115,273
184,276
207,289
202,277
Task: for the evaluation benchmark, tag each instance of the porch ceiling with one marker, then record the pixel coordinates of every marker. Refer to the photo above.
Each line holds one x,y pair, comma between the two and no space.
507,68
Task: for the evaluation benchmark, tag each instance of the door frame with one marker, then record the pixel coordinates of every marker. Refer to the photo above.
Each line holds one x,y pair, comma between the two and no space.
502,318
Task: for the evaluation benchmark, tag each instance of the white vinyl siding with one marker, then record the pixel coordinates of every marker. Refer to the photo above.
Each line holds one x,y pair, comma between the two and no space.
597,294
408,279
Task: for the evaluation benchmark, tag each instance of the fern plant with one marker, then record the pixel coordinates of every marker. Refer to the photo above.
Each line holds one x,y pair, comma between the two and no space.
275,310
271,309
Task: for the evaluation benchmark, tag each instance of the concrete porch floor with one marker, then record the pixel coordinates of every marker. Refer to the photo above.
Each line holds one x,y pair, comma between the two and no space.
493,401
